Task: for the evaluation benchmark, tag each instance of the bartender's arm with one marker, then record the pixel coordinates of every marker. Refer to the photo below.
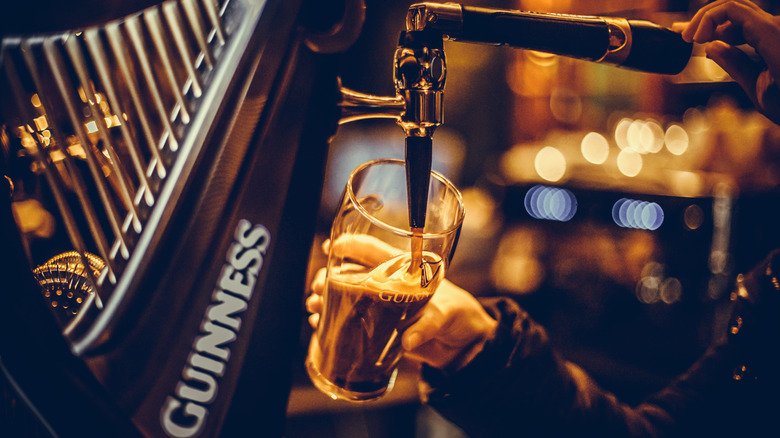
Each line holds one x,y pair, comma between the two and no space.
518,384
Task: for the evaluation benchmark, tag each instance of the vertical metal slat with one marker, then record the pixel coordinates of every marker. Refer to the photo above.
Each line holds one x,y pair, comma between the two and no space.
194,18
95,47
173,17
213,13
122,56
126,191
66,89
154,24
134,31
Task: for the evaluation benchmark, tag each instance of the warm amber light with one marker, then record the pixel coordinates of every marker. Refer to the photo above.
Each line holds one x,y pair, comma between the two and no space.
550,163
671,290
629,162
686,184
651,136
621,133
693,217
41,123
541,59
676,139
595,148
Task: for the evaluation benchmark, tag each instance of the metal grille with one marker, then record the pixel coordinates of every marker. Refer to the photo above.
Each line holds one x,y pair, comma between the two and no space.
111,116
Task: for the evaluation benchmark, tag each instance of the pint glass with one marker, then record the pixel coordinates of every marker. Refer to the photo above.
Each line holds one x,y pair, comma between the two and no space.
372,291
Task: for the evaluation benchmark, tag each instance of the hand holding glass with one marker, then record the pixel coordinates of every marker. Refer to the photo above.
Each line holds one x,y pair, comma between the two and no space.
372,290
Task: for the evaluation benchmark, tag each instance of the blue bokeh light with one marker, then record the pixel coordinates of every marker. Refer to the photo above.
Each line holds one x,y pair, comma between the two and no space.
640,215
550,203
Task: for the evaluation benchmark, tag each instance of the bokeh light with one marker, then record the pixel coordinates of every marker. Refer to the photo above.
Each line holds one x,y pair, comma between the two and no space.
550,203
621,132
629,162
676,139
640,215
693,216
634,136
671,290
550,164
651,136
595,148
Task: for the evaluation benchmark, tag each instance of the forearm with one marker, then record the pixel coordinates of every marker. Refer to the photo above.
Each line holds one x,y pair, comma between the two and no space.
520,386
519,383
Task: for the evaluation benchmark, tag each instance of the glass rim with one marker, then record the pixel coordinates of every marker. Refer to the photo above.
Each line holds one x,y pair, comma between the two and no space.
400,231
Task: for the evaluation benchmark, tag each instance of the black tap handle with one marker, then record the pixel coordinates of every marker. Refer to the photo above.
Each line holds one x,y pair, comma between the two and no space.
418,174
573,36
656,49
648,47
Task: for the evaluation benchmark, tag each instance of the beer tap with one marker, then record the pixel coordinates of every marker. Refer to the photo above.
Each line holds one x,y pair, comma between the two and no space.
419,72
420,68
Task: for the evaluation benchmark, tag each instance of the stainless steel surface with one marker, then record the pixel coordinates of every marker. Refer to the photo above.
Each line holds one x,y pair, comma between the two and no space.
620,39
447,17
359,106
122,108
420,71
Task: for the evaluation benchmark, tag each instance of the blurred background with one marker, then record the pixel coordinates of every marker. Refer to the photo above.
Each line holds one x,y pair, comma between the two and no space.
616,206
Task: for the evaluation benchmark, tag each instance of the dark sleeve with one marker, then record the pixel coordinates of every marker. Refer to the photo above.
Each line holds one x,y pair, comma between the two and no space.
520,386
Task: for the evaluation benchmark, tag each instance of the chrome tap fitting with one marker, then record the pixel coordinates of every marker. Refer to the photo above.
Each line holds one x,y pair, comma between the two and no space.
419,72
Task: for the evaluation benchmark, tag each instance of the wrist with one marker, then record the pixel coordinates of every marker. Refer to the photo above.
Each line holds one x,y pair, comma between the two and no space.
489,328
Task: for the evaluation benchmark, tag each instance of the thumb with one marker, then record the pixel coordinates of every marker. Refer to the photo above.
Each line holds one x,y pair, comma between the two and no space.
424,329
737,64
